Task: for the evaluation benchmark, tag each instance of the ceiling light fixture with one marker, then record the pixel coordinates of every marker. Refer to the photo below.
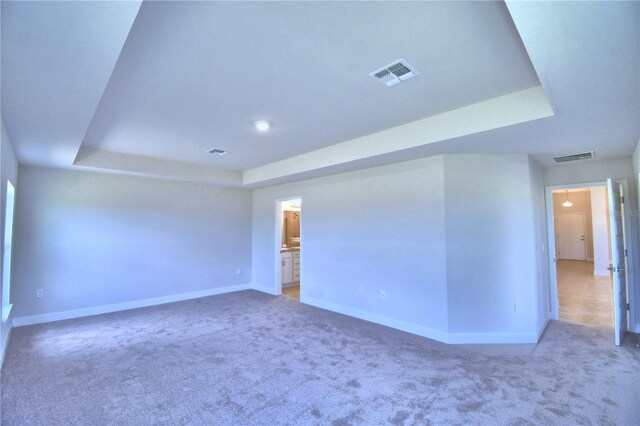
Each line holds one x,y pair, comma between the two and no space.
218,151
262,125
295,203
567,203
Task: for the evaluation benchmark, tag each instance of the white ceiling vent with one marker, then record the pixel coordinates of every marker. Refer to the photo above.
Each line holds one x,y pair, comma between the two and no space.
394,73
573,157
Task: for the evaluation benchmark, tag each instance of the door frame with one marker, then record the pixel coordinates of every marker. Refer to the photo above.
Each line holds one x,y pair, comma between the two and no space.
278,243
628,230
584,232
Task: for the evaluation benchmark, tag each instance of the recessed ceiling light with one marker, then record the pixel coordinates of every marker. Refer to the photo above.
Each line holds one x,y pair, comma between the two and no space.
218,151
262,125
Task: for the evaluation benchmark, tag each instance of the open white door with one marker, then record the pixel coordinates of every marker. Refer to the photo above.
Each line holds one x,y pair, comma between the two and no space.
618,257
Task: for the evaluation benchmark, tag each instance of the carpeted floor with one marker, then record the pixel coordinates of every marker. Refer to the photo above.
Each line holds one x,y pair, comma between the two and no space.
252,359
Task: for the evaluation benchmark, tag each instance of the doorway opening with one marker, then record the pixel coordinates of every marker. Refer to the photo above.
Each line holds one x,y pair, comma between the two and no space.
583,254
288,221
588,255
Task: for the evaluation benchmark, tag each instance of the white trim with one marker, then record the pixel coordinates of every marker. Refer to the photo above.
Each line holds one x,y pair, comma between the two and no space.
492,338
6,311
551,240
441,336
278,242
378,319
603,273
264,289
277,284
97,310
553,284
5,346
543,328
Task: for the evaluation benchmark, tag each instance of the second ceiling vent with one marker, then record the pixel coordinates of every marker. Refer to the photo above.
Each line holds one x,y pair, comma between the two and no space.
573,157
394,73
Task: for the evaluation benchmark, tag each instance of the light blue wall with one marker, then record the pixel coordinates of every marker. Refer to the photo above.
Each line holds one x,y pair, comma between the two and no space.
380,228
9,171
491,237
455,241
90,239
452,239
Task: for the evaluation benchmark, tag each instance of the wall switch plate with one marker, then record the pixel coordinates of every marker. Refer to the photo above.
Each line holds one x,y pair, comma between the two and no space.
383,294
39,293
361,290
239,271
517,307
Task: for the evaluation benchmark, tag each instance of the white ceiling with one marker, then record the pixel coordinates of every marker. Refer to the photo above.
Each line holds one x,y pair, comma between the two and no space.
57,58
195,75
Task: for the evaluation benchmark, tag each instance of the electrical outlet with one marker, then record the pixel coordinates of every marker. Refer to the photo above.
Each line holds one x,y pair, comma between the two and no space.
361,290
239,271
39,293
383,294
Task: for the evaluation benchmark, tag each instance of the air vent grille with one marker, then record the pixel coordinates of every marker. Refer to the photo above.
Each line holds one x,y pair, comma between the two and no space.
218,151
574,157
394,73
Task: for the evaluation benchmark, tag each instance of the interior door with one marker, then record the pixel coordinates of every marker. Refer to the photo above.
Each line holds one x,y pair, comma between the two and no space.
571,241
618,260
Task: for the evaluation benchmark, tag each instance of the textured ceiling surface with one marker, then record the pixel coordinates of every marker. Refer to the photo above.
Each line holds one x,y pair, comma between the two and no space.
149,87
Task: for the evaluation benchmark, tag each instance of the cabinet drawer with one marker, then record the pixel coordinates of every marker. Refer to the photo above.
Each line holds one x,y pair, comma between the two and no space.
296,262
296,255
296,275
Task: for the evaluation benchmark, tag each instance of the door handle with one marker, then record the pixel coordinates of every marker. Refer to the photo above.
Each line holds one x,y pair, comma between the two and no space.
615,268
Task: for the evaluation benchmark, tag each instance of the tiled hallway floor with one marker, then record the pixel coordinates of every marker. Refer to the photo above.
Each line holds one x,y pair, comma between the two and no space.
584,298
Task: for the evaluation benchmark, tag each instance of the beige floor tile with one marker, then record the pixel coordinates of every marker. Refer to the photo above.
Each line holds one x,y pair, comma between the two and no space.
292,292
582,297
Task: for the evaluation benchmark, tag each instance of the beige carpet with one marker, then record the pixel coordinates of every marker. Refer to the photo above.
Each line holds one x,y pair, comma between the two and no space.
252,359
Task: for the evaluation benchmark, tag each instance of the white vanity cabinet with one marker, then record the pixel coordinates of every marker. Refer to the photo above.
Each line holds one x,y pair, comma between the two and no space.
290,267
296,266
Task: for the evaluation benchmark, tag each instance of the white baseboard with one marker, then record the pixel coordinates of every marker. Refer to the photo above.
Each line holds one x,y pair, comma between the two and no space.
378,319
544,326
441,336
268,290
603,273
498,338
97,310
491,338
